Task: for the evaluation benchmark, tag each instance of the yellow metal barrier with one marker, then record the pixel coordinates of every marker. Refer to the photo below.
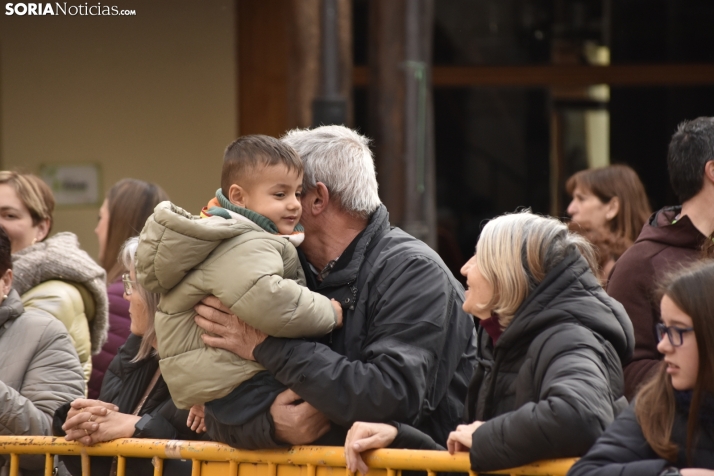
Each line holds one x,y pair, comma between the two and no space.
216,459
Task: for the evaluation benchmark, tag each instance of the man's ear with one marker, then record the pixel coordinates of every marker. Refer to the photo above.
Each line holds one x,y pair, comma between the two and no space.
42,229
6,282
709,171
321,198
237,195
613,208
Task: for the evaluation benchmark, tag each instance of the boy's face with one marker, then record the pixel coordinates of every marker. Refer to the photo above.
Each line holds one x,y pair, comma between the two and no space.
274,192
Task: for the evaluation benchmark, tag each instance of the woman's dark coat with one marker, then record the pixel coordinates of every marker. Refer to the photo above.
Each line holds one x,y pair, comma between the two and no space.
623,450
553,381
124,385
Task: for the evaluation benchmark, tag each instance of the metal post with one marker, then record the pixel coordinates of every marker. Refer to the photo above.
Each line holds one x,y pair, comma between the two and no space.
329,107
419,219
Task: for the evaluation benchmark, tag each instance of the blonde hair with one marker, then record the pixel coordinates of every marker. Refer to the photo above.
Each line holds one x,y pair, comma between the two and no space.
127,256
515,253
34,193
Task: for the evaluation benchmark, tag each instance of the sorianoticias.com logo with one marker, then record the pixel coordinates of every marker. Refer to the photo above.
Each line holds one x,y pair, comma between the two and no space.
61,8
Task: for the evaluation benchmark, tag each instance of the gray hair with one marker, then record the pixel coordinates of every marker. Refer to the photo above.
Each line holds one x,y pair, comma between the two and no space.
516,251
127,255
341,159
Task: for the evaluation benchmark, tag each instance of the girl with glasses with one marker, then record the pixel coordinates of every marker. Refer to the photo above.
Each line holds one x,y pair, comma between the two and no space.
669,430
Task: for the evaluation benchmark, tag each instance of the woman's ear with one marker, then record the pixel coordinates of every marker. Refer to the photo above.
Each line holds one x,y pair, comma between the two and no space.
42,229
613,208
6,282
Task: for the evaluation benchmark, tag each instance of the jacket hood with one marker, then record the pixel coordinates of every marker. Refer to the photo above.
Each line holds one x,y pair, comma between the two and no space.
570,293
10,308
660,229
61,258
174,241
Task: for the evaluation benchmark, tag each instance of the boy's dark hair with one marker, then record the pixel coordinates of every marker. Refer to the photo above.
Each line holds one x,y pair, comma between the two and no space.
691,147
5,252
247,153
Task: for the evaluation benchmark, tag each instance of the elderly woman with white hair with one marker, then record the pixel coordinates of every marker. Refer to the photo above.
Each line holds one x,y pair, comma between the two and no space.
548,378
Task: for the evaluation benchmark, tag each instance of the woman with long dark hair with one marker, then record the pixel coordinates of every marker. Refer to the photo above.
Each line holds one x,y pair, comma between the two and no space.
670,428
122,215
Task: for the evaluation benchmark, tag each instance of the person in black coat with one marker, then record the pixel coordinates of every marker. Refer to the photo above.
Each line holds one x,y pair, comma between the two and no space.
548,378
669,430
134,400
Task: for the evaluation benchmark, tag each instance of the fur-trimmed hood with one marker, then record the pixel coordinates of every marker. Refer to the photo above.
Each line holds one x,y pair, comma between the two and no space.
60,257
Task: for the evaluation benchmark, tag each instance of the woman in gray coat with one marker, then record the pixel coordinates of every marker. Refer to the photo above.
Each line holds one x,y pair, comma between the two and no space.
39,368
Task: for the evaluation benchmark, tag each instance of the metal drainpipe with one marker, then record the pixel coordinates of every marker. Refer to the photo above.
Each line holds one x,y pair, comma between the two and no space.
329,107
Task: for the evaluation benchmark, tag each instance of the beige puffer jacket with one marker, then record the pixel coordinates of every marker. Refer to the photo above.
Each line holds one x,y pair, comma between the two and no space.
254,273
58,277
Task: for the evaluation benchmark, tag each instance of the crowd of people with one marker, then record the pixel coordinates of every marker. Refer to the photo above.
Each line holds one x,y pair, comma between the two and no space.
289,311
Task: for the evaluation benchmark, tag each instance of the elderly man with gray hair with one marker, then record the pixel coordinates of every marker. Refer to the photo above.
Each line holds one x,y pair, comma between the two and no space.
406,351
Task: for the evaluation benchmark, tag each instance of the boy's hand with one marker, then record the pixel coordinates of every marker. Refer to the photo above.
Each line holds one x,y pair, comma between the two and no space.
338,310
196,419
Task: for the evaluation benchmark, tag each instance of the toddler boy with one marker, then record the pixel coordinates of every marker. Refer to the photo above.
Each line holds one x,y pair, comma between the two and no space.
242,250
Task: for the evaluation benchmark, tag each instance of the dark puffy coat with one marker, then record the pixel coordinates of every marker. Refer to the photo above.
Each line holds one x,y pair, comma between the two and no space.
119,323
405,352
124,384
553,381
623,450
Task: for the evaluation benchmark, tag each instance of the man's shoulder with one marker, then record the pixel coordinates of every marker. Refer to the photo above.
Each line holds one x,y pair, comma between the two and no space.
398,252
400,245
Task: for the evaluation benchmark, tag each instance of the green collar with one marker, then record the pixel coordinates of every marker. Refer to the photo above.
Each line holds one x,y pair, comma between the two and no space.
262,221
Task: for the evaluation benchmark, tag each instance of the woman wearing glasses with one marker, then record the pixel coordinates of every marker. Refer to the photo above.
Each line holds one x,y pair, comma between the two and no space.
669,430
134,401
122,215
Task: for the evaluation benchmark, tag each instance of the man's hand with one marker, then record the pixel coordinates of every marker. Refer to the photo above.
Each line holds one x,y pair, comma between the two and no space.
226,330
366,436
297,422
338,311
461,438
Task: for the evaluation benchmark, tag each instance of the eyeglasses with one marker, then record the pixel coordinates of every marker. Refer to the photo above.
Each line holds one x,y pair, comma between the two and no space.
675,334
126,279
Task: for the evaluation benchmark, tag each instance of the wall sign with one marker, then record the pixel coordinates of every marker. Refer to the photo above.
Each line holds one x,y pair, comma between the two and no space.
73,184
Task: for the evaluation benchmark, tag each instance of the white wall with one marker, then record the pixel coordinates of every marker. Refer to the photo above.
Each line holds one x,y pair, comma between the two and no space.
151,96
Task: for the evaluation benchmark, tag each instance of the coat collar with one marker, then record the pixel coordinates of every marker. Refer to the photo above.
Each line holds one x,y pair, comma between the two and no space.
350,261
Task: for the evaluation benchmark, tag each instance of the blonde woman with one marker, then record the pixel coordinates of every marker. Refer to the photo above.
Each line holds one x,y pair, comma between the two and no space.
548,379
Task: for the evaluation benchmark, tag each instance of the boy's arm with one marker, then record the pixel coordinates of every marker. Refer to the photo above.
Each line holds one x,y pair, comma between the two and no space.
249,280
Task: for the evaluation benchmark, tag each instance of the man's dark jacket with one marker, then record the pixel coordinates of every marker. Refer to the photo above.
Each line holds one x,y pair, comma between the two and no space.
623,450
406,351
553,381
124,385
660,248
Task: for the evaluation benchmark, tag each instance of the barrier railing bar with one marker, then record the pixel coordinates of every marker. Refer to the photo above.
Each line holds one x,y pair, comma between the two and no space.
390,459
49,464
158,466
86,468
195,467
121,466
14,464
233,468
